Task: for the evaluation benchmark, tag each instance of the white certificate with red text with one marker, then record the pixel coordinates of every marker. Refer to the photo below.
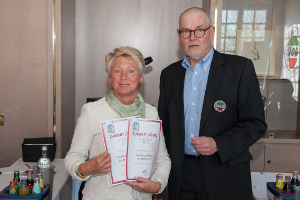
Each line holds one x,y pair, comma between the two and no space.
142,147
114,134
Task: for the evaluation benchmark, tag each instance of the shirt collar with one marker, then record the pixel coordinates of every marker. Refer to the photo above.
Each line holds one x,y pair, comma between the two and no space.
207,58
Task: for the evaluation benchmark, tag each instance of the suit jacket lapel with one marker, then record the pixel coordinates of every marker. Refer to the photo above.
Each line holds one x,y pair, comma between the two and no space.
178,86
213,83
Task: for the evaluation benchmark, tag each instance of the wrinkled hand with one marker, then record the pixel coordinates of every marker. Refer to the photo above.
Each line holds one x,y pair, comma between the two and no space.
206,146
144,185
96,165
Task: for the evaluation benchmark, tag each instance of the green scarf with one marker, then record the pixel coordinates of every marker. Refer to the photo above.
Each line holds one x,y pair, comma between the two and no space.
136,108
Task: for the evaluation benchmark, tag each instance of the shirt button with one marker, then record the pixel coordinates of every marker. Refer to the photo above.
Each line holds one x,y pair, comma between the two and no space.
194,151
194,88
195,72
193,104
192,135
205,68
192,119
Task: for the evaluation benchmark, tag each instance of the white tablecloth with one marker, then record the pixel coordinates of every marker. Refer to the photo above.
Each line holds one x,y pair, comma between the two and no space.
259,182
63,187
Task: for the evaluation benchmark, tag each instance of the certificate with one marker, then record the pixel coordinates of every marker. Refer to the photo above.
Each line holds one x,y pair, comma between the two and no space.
114,134
142,147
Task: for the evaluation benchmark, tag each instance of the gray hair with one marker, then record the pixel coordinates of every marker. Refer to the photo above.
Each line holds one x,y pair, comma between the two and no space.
196,9
127,51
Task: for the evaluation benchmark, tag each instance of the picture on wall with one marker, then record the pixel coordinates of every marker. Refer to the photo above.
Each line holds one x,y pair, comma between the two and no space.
259,49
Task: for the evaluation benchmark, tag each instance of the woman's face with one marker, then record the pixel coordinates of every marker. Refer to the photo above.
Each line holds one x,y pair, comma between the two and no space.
125,78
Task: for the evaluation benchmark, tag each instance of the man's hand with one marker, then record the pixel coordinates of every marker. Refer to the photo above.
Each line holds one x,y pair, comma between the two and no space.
206,146
144,185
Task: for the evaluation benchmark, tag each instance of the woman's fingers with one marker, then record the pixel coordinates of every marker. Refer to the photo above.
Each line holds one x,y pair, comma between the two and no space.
100,163
144,185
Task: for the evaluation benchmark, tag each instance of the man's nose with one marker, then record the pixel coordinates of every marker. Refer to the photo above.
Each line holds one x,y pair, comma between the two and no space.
193,36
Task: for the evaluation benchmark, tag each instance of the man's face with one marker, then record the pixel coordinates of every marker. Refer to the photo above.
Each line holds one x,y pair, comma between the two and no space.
195,48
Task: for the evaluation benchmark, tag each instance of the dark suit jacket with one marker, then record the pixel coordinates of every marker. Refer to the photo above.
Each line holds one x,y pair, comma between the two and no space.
231,79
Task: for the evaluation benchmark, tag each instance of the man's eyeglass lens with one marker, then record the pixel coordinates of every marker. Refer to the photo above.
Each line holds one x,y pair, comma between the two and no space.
198,33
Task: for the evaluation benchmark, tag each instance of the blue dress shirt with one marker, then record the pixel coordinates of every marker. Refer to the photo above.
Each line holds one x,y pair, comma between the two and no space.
194,90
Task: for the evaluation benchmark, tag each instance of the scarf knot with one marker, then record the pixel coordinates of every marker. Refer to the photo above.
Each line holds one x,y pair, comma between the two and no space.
135,109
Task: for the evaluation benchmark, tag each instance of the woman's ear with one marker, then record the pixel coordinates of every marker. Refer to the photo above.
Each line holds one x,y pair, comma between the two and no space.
109,78
142,77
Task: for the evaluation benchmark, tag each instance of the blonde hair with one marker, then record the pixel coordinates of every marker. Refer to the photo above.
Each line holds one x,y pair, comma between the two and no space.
131,52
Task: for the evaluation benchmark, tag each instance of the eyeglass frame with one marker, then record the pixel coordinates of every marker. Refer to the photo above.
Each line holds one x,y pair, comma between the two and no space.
194,32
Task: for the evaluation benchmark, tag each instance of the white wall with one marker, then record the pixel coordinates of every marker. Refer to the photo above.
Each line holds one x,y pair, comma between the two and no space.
23,75
101,26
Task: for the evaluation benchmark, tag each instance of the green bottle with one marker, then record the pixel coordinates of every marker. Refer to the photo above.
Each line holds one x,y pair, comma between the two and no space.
17,178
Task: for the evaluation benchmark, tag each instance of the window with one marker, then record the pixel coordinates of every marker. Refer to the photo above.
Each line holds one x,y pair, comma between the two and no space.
253,23
228,31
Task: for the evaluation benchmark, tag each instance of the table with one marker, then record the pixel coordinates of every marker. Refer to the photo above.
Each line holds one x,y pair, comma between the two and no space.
259,182
64,188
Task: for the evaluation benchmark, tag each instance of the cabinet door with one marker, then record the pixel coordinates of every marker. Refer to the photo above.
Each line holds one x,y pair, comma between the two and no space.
257,163
282,157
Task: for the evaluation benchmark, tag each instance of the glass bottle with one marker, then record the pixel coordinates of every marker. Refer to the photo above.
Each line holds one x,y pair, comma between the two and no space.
279,181
40,176
295,179
13,187
24,189
44,161
29,178
36,187
287,186
17,178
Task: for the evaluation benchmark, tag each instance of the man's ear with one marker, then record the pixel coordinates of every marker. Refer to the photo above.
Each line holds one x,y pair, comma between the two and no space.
178,34
212,33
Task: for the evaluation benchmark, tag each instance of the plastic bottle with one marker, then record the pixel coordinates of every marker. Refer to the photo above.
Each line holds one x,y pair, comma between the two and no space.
295,180
24,189
36,187
13,188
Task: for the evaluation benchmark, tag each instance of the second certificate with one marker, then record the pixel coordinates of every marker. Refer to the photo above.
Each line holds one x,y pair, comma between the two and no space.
142,147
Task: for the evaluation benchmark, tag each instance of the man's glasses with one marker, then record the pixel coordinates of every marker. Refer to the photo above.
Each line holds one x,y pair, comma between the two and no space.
199,33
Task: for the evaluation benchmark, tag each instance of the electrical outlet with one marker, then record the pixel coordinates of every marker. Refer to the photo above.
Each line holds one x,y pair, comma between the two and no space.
271,135
1,120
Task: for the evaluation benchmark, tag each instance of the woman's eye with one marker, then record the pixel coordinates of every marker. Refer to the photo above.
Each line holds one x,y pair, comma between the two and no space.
131,71
117,71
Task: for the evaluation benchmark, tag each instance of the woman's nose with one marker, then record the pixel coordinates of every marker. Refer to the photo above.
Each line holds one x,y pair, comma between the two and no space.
123,75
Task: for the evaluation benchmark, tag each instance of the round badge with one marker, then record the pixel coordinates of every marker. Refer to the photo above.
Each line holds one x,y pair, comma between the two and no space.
220,106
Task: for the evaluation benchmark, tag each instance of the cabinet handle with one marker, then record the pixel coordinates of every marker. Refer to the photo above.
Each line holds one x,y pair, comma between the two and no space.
269,161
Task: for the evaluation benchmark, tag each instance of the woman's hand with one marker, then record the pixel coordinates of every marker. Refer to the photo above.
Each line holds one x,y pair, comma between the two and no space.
96,165
144,185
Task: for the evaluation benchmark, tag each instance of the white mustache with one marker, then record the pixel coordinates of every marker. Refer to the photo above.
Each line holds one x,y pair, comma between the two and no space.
193,44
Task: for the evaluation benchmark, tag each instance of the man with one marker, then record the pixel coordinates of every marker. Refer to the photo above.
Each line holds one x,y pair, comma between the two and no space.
212,112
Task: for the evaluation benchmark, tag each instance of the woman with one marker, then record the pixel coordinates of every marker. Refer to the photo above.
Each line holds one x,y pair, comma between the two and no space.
125,67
